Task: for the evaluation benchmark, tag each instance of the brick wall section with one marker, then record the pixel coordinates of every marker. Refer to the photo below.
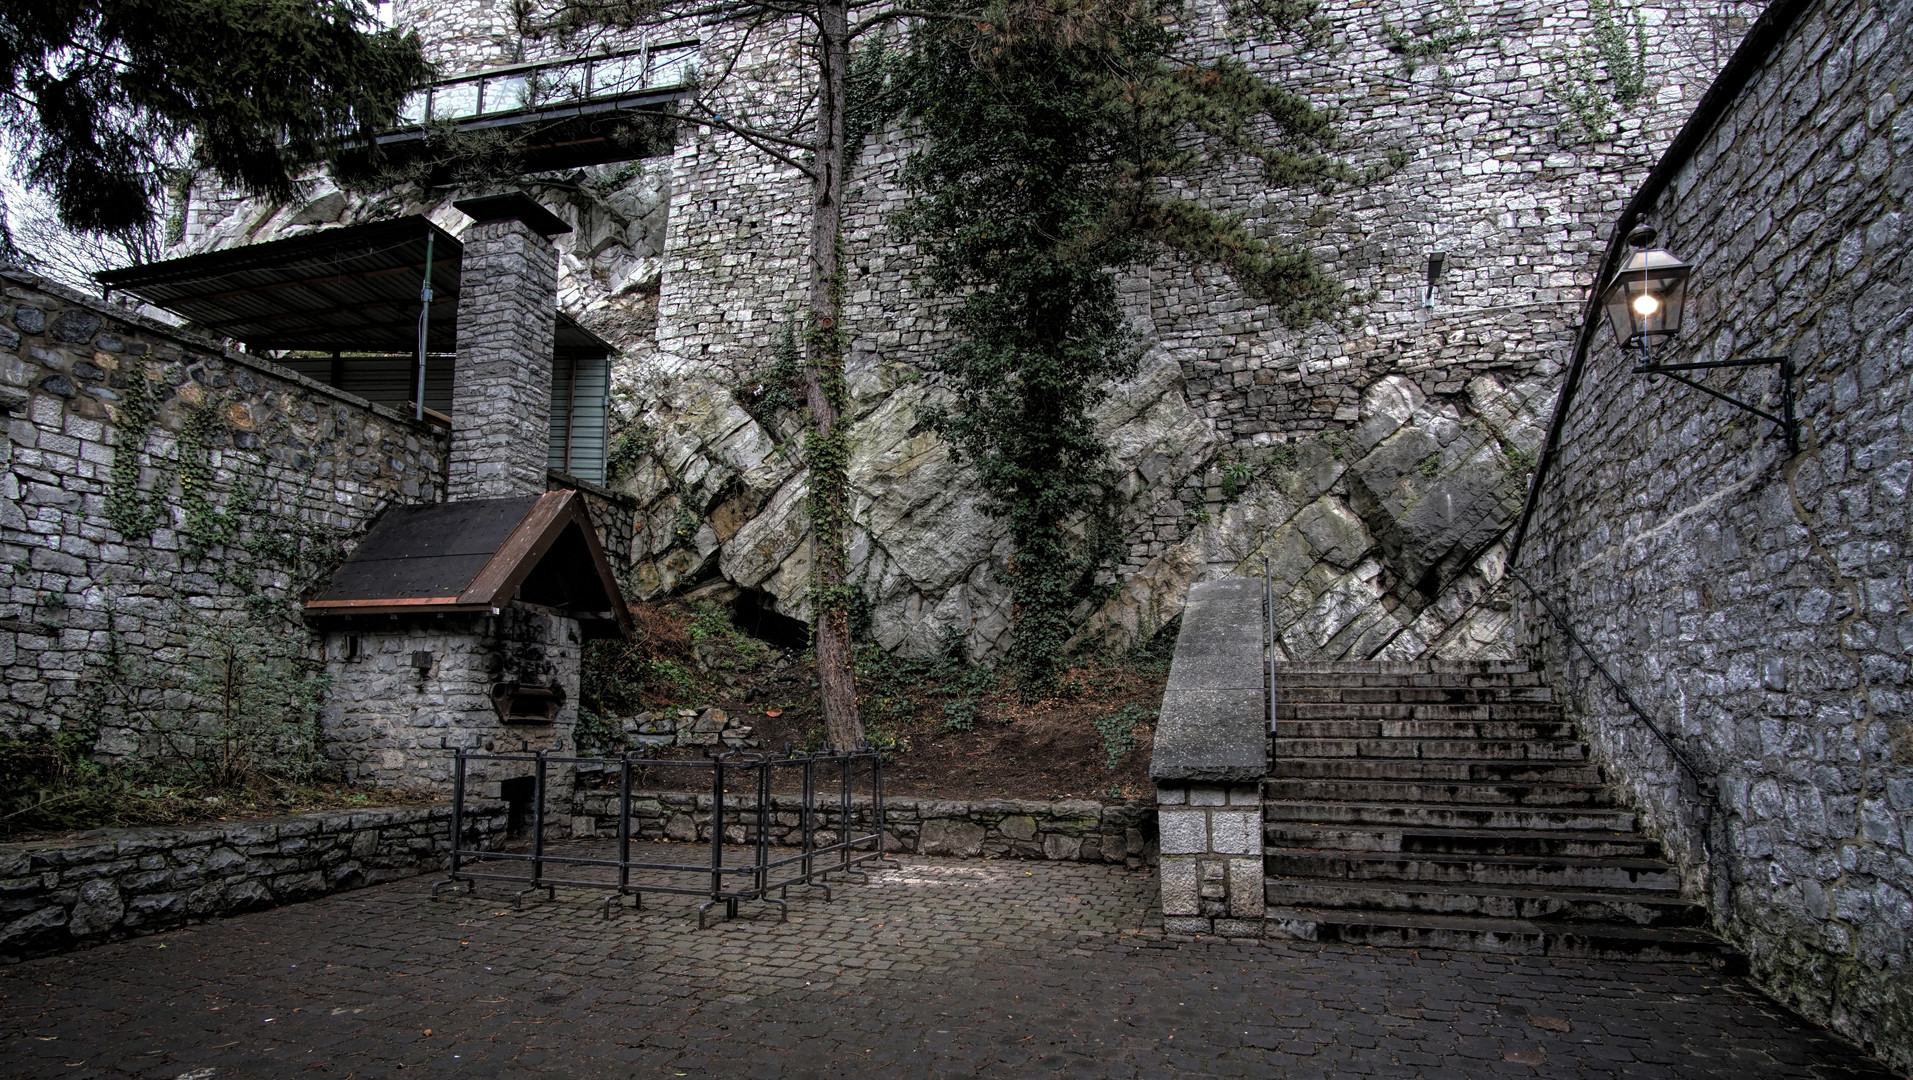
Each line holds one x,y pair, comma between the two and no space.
1757,606
120,883
319,458
1070,830
501,389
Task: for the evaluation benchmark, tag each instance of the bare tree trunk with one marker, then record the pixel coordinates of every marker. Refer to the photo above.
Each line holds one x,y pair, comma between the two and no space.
826,449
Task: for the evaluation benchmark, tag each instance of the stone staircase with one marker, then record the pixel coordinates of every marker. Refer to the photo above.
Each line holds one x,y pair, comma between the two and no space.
1450,805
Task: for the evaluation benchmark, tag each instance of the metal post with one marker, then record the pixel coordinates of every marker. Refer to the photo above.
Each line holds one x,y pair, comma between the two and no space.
458,820
624,825
717,844
1268,634
424,320
537,835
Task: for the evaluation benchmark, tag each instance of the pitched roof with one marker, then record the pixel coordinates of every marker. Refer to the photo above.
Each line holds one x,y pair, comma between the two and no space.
477,557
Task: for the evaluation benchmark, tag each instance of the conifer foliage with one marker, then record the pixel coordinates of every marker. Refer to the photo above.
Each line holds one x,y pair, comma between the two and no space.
1058,142
102,99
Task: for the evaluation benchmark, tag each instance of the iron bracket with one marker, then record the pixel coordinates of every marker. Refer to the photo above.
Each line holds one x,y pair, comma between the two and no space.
1787,423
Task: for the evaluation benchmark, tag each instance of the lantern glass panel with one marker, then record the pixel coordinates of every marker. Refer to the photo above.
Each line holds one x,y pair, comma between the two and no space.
1648,297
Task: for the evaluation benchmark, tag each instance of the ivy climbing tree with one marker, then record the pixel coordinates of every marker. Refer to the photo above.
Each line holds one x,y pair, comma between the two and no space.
1056,140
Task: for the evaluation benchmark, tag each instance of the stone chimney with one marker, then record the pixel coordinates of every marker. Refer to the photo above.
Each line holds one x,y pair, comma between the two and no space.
501,385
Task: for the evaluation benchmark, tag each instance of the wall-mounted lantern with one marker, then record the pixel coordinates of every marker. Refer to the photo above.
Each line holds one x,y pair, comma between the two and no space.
1648,296
1645,303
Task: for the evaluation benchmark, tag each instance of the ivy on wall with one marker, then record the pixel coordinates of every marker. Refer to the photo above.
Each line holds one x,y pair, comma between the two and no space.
1057,138
1606,71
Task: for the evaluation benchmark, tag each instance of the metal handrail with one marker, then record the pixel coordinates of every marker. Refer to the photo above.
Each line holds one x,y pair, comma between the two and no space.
1680,758
728,885
529,87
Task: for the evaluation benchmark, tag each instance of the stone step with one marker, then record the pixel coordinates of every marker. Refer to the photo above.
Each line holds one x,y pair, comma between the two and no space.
1628,908
1404,728
1560,872
1337,679
1477,934
1399,768
1436,749
1539,842
1506,711
1401,667
1440,816
1413,695
1435,791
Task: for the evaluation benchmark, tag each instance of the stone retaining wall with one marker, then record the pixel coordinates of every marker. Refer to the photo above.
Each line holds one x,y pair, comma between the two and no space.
1756,603
1069,830
118,883
293,468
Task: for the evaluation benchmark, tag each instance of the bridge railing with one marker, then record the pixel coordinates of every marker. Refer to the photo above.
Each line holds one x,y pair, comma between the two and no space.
531,88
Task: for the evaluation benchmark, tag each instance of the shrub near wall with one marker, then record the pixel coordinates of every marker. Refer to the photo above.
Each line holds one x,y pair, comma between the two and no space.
1757,604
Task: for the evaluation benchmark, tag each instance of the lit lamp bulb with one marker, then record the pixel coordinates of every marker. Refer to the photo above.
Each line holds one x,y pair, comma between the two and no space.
1646,304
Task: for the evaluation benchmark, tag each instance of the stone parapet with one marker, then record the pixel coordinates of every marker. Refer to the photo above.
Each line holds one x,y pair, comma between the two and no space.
1210,756
110,884
1069,830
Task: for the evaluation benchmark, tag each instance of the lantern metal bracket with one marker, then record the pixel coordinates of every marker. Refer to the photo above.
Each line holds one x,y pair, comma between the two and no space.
1786,422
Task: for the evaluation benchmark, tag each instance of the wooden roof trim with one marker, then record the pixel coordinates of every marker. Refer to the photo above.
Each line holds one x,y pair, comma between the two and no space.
523,547
403,601
602,564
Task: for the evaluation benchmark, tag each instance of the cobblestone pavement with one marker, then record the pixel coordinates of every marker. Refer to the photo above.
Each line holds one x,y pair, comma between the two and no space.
945,967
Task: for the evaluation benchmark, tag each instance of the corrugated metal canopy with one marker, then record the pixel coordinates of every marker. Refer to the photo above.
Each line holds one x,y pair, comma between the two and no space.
351,289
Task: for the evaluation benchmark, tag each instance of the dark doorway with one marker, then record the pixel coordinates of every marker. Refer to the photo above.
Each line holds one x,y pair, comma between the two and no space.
518,793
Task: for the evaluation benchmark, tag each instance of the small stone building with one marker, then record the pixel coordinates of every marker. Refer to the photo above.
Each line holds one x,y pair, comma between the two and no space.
462,625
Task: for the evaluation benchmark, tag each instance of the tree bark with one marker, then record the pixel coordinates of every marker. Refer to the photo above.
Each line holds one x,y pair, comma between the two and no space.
824,390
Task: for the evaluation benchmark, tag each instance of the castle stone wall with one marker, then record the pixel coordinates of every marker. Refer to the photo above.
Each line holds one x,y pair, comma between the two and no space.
1755,604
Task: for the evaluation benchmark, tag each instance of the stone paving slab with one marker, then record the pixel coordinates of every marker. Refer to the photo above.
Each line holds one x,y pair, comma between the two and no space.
945,967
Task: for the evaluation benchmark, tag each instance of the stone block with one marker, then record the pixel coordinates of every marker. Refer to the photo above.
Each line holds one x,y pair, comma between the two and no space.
1184,832
1180,889
1234,832
1185,925
1239,928
944,836
1018,827
1208,795
1066,848
99,910
1245,888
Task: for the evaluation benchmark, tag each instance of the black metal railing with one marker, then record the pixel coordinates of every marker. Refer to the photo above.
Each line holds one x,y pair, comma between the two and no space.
525,89
724,877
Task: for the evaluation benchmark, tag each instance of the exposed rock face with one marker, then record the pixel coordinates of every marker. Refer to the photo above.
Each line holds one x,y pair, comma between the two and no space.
1375,461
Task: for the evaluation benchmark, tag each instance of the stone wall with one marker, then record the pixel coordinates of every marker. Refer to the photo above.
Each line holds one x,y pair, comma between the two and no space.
1070,830
403,697
293,469
1232,441
1757,604
118,883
